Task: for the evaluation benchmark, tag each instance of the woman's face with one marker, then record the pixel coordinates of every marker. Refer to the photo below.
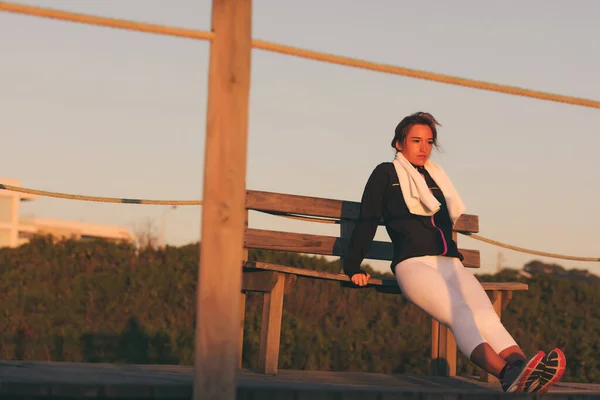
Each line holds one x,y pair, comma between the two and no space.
418,145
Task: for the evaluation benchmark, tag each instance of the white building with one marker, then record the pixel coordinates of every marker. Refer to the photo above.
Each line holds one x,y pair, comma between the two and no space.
16,230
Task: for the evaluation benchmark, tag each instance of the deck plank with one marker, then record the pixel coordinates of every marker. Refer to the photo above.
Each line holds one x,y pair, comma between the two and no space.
50,379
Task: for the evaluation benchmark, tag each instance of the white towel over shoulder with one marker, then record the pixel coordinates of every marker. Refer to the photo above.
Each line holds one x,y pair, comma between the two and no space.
418,197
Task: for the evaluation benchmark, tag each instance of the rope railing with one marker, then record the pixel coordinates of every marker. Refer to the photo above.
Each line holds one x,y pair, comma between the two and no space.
105,22
298,52
100,199
281,214
429,76
528,251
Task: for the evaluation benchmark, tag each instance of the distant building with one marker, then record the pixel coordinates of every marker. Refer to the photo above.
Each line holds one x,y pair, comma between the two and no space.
16,230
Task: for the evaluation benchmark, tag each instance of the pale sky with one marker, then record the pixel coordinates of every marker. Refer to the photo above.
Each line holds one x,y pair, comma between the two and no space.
99,111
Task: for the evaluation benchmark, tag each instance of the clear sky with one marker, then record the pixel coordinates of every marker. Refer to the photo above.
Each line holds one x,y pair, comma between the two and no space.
105,112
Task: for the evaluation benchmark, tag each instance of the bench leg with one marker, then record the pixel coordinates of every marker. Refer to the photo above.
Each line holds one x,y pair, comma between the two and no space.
443,350
271,327
450,352
496,297
242,316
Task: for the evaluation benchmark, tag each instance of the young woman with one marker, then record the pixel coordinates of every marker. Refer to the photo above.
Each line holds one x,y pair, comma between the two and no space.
419,206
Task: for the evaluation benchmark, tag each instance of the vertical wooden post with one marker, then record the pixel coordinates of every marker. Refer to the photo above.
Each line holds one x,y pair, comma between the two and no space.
443,345
451,347
496,297
450,352
242,320
243,298
270,333
218,303
435,347
443,350
346,229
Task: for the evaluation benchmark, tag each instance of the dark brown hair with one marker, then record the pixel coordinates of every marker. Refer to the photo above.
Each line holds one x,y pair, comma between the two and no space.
418,118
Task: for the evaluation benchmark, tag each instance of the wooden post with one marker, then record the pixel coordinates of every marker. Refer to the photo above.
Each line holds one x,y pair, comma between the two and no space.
435,347
444,346
496,297
346,229
219,271
270,333
242,320
450,352
243,298
443,350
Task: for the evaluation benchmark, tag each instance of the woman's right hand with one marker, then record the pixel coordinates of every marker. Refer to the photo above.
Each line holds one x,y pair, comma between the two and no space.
360,279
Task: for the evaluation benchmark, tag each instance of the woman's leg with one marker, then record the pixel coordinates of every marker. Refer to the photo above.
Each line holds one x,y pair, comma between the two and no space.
490,325
512,353
424,283
486,358
445,290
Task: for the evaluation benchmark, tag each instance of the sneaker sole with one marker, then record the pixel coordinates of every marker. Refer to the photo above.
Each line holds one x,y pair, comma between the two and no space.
553,369
533,364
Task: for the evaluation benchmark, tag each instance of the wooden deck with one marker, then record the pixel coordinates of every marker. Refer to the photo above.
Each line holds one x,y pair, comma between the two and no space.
29,379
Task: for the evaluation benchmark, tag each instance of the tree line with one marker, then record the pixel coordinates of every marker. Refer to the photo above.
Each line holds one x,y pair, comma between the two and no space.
100,301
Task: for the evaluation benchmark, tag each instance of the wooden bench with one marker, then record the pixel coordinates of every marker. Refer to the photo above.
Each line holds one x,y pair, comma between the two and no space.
274,280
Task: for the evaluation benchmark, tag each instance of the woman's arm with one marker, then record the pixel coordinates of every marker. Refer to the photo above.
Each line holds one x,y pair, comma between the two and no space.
371,207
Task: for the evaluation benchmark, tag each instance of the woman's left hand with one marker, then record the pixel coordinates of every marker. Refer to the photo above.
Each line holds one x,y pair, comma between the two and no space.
360,279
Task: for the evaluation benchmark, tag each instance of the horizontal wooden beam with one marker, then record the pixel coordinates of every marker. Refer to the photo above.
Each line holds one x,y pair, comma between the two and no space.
328,245
327,208
386,282
264,280
259,281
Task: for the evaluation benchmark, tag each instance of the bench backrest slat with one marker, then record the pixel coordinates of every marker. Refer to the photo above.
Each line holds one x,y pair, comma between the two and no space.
328,208
327,245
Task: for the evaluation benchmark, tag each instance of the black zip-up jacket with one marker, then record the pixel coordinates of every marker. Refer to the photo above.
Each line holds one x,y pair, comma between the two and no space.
411,235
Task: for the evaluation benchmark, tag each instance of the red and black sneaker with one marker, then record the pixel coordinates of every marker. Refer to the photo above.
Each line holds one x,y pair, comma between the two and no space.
515,375
550,370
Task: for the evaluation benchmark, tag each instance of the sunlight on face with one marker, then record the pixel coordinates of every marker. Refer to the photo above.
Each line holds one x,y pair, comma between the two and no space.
418,145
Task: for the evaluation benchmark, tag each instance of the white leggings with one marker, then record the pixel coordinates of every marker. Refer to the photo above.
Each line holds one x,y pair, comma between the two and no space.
443,288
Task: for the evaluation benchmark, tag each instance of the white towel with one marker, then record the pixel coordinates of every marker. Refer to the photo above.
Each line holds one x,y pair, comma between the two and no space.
418,197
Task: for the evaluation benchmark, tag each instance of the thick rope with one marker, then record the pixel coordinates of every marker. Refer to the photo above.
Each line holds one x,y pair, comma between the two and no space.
101,199
294,51
282,214
538,253
430,76
106,22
